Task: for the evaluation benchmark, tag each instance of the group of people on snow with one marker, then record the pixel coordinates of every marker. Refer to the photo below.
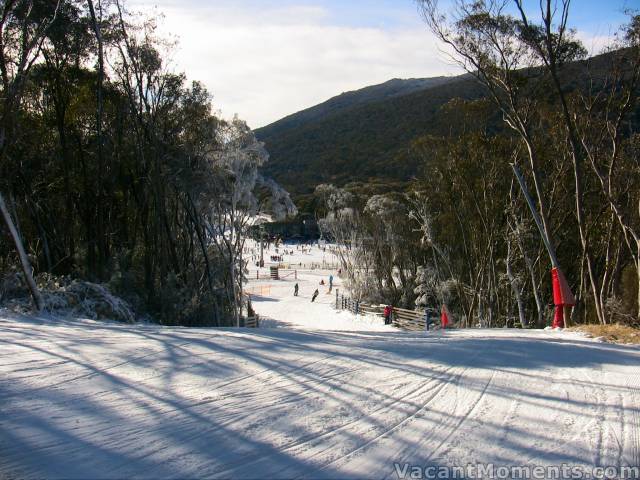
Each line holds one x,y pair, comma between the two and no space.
296,289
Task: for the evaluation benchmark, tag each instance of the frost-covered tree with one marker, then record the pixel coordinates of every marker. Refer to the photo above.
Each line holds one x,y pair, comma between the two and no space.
374,243
235,203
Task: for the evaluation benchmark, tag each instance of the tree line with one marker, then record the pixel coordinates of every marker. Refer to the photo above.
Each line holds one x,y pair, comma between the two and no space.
114,169
462,233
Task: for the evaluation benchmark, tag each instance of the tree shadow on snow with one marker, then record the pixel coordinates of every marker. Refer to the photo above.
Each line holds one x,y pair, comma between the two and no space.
105,400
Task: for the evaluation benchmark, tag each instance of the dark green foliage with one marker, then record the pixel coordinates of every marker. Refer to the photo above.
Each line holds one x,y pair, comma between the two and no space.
365,143
115,181
368,141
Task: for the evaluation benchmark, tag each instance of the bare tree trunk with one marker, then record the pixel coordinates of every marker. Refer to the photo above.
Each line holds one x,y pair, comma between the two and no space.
38,302
638,273
515,287
534,285
575,312
100,207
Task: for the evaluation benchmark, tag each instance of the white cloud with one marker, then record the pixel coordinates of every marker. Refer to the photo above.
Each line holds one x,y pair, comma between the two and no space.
265,64
595,43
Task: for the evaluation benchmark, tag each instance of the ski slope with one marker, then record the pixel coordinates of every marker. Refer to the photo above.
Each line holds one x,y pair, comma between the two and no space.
321,395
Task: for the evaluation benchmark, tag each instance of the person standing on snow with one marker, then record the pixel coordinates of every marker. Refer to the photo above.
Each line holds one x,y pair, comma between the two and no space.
330,282
295,290
387,314
315,294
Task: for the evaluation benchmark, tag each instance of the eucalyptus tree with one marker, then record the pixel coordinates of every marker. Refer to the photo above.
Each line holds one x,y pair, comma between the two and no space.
602,123
520,60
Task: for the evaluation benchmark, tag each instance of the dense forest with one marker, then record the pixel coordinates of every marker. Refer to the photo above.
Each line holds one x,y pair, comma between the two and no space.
115,174
461,231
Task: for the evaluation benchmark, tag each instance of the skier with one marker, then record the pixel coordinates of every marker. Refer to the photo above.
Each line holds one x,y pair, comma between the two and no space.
387,314
315,294
295,290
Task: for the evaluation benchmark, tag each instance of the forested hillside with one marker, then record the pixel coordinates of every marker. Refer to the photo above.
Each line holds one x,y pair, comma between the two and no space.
345,101
369,140
364,142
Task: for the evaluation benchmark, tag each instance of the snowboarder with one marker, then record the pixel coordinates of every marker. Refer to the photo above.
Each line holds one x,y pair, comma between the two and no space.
315,294
295,290
387,314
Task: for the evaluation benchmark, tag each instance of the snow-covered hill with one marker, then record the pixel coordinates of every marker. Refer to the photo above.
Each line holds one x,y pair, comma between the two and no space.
82,399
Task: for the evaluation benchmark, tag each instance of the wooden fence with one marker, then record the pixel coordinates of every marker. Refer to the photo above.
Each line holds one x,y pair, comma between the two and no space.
309,266
250,322
414,320
282,273
258,275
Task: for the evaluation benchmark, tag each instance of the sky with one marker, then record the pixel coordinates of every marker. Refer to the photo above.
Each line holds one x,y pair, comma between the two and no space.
265,59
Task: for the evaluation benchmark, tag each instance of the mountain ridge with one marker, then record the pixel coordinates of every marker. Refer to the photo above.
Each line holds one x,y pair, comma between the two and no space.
365,136
353,98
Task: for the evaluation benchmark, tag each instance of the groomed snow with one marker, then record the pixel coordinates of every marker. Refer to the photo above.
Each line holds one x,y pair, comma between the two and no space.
322,395
275,303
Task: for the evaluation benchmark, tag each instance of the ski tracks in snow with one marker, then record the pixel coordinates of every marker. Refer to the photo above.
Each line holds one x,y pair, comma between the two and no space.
288,403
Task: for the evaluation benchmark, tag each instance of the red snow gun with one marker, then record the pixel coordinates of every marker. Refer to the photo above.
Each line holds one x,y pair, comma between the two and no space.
444,317
562,296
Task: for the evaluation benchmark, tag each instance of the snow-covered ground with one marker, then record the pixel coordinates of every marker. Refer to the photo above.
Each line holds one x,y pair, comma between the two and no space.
323,395
278,307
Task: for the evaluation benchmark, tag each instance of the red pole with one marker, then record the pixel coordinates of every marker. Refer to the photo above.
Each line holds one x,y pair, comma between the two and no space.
558,318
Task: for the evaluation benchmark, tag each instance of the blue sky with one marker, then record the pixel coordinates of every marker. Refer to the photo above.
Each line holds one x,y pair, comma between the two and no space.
264,59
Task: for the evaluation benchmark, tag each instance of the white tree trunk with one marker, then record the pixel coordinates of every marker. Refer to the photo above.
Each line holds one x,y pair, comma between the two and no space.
516,289
24,259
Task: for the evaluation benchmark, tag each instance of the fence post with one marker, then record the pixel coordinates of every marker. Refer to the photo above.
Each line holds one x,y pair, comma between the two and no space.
336,298
357,307
426,319
257,274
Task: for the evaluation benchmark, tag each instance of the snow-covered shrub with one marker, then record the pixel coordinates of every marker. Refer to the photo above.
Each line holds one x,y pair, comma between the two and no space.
89,300
11,285
432,292
96,301
66,296
425,290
